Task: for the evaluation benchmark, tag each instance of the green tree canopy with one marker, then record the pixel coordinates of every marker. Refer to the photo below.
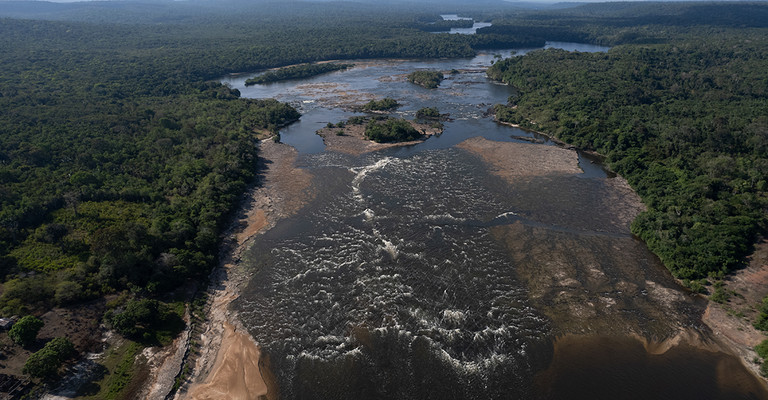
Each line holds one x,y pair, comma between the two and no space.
25,330
46,362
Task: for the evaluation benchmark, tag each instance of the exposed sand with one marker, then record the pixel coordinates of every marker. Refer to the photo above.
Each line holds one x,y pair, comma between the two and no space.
731,322
236,373
353,140
512,161
230,365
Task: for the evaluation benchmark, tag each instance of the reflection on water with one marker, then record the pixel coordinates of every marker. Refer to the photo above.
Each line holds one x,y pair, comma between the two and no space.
609,368
417,274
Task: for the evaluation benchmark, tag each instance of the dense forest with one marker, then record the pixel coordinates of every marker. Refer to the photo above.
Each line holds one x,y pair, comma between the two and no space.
684,122
390,130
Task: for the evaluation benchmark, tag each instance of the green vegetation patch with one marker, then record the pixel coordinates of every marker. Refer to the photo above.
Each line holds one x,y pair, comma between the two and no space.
118,370
761,322
296,72
762,349
431,113
427,79
391,130
385,104
46,362
24,332
147,321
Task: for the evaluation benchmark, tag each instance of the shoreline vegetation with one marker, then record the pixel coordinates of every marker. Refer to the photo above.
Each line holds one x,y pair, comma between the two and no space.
296,72
120,158
226,347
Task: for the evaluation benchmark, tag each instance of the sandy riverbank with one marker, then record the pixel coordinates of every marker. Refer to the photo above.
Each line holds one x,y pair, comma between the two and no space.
512,161
731,322
230,363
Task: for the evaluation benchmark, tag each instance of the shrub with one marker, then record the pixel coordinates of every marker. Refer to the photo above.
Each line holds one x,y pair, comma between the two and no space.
720,295
25,331
762,349
761,322
46,362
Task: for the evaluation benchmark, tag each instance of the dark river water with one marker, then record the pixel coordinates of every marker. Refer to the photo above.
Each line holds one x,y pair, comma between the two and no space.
415,273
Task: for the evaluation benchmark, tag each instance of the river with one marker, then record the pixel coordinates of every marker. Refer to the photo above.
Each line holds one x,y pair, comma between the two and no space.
425,272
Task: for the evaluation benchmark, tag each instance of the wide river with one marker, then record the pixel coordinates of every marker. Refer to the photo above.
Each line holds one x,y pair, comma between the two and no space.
422,272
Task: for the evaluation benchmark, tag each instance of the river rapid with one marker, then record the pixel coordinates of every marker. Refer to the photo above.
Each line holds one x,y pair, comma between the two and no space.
425,272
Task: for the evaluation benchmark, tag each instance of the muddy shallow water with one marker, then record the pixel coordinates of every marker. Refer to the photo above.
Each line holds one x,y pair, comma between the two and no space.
438,271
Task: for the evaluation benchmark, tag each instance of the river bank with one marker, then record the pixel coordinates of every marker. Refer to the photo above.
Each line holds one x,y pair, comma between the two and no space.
731,322
230,364
581,292
570,282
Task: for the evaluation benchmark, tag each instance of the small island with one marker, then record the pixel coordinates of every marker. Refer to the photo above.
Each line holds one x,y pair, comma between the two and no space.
363,134
427,79
391,130
296,72
385,104
430,113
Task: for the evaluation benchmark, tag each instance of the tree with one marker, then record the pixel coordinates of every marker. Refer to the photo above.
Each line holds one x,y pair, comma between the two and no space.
46,362
25,331
147,320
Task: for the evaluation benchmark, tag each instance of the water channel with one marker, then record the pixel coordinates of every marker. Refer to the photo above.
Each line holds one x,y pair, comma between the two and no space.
417,272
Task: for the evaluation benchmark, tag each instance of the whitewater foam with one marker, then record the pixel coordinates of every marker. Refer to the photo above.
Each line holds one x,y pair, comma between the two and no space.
362,172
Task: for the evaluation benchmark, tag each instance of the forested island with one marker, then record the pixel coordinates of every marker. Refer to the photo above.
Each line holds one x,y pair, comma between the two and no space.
296,72
390,130
429,113
385,104
427,79
122,158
